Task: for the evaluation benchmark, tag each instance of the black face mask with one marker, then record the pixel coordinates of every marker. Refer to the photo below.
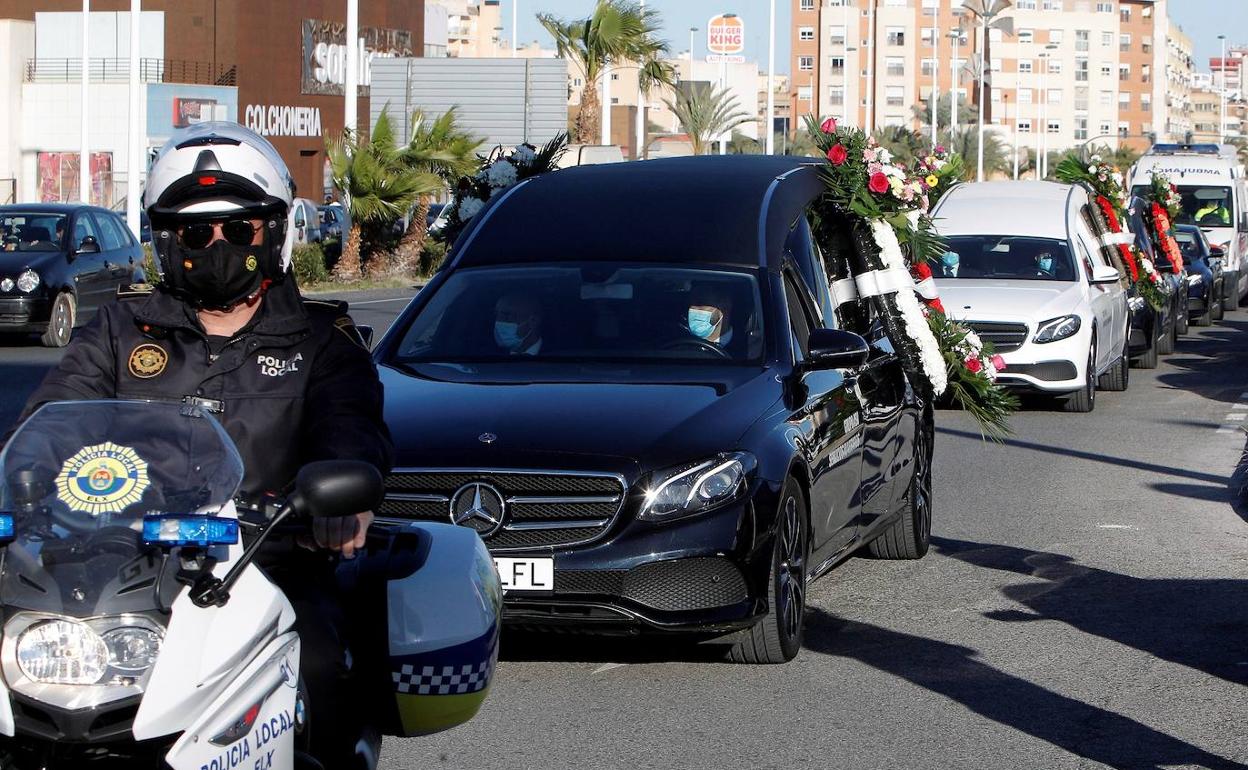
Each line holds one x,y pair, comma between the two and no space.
219,276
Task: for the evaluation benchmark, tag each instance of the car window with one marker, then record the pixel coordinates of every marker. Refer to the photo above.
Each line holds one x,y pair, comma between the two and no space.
31,231
1207,206
1005,257
111,236
799,247
801,316
593,311
84,226
300,216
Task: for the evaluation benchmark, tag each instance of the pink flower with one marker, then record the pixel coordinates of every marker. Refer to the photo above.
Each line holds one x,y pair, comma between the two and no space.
875,168
869,155
973,364
838,154
940,149
878,183
828,127
998,363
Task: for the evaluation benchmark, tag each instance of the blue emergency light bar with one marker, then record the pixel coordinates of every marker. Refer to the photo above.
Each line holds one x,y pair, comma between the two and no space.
176,529
7,533
1170,149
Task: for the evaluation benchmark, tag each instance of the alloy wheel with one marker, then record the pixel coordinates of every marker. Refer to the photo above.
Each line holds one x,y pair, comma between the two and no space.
791,577
923,484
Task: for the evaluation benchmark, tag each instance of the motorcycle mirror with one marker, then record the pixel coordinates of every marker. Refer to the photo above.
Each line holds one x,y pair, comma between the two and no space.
329,488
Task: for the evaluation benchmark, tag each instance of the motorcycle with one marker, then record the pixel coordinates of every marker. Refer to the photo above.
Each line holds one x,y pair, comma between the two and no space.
137,631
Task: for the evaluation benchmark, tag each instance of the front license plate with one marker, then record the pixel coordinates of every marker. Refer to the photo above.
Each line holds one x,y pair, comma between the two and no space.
526,574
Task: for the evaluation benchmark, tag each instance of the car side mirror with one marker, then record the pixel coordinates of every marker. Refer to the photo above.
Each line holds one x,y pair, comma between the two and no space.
334,488
835,349
1243,223
1104,274
89,245
1217,252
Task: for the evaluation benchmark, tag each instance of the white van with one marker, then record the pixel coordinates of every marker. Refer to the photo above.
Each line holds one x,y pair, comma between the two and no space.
1215,197
1024,270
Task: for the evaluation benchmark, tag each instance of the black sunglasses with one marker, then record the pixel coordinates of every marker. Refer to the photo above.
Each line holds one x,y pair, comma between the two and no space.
239,232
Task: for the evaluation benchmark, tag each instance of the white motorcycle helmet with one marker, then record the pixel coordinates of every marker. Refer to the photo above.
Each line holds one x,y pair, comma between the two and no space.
212,170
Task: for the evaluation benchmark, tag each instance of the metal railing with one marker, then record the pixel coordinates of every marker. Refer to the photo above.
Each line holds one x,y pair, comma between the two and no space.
118,71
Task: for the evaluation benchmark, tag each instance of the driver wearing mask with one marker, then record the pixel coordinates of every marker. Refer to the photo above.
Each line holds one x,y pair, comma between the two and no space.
518,324
1044,265
949,264
710,308
1217,208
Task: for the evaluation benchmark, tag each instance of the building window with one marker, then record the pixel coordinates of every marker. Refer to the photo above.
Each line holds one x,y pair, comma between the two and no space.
805,33
836,95
995,66
931,6
615,100
1146,73
806,63
1104,7
1124,42
1107,99
895,96
1024,96
1026,36
1055,127
1104,128
1124,128
808,5
615,76
895,66
996,95
1107,69
803,93
1124,100
1147,12
837,35
1052,5
1124,71
1124,14
895,3
896,35
1107,39
1026,5
1146,102
1055,96
1024,126
838,64
1146,43
1024,66
1082,39
1081,100
928,66
1055,66
928,35
996,35
1056,36
1081,129
1081,70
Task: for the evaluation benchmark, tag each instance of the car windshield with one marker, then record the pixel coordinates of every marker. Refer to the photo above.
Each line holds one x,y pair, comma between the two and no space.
78,478
589,312
1189,244
1005,257
31,231
1205,206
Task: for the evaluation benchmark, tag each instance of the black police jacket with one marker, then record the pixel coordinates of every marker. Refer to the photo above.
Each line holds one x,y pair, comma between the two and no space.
295,386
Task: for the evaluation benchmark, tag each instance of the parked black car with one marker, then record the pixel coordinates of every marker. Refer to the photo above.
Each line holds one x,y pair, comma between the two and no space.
1205,282
1154,332
59,262
658,421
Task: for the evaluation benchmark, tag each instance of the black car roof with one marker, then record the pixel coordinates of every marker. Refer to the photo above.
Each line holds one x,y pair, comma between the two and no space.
734,210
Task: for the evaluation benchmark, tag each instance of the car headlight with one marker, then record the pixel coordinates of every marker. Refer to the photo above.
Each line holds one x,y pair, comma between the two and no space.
28,281
101,651
6,284
1057,329
1135,303
697,487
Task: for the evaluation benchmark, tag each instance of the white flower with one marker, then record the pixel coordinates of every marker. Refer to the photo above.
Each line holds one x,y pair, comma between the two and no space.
1096,158
468,208
1147,264
885,156
973,340
1091,169
913,320
501,174
523,155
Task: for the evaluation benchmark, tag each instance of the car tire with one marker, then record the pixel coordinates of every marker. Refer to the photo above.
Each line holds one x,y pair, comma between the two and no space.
1206,318
1217,310
1148,359
1084,399
1118,378
1165,345
777,636
1181,325
910,536
60,321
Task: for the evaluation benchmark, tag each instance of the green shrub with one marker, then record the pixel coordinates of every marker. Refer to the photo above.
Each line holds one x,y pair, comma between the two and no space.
150,273
309,264
431,257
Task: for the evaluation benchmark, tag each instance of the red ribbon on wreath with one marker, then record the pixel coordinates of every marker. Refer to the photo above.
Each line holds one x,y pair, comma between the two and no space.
1161,220
1115,226
924,285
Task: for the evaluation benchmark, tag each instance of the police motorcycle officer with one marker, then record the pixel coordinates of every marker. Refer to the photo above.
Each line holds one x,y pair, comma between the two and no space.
288,378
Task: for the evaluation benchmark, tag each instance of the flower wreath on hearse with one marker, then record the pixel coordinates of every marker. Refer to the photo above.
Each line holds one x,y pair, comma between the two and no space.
1108,217
872,227
1163,204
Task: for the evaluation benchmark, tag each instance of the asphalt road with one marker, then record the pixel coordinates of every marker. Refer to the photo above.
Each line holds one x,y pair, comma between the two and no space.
1085,605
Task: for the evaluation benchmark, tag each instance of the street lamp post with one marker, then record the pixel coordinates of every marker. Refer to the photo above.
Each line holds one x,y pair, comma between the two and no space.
844,68
641,103
515,13
1222,92
870,70
350,88
134,151
769,124
935,87
956,36
84,150
1018,108
1041,141
605,137
691,31
1051,47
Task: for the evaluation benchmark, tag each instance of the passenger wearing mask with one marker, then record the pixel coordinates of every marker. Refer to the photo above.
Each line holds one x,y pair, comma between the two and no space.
949,262
708,318
518,324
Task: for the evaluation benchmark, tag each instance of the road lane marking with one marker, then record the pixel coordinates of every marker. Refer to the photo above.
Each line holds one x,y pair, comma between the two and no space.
1115,526
608,667
379,301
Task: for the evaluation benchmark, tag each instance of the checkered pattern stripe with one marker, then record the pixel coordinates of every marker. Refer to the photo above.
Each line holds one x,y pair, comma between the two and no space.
443,680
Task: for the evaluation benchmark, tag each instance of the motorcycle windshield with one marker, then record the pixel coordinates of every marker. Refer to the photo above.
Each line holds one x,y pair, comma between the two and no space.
78,478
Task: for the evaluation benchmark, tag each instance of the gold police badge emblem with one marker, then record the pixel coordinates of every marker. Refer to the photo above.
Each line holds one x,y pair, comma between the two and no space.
148,360
251,264
102,478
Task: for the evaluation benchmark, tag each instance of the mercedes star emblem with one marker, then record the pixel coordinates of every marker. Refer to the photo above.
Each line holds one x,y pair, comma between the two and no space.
478,506
487,438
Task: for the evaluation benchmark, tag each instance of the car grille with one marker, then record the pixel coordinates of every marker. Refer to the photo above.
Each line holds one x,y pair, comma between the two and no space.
1004,337
542,509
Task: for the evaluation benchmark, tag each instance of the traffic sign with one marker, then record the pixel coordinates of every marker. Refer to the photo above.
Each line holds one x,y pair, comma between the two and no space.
725,34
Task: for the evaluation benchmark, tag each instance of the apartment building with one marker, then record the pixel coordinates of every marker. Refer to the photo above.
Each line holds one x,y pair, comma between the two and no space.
1073,71
1179,76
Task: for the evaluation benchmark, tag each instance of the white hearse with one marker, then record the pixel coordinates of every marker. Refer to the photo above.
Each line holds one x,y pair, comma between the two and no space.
1024,271
1215,197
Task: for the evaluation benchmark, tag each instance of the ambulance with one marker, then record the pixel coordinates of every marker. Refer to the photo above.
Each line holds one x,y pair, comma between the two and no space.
1212,184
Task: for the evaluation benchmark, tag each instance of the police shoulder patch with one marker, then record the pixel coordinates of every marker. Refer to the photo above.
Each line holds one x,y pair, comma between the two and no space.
346,325
134,290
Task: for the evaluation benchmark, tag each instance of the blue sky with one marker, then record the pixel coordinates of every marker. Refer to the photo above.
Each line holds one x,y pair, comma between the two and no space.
1203,20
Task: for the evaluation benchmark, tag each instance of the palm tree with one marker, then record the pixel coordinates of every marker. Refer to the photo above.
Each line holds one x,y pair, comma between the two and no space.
904,144
438,147
740,144
1123,156
618,31
376,185
800,143
944,111
705,114
966,143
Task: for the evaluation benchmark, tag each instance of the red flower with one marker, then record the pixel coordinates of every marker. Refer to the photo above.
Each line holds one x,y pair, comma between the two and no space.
837,154
921,271
828,127
998,363
973,364
878,183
